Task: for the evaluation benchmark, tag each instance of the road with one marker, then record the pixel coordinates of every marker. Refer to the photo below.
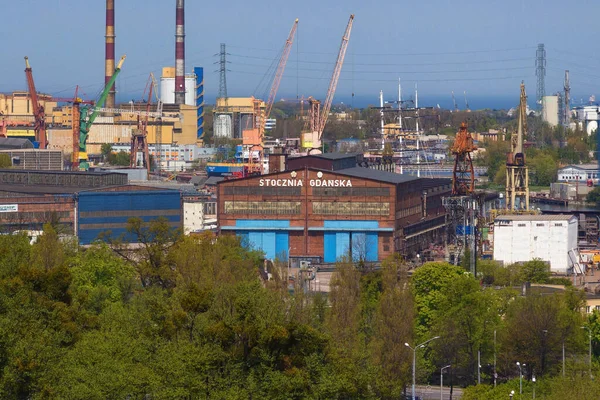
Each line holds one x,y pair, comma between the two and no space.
433,392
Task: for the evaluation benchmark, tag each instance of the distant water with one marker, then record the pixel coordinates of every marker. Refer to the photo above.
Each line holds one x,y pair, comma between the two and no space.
444,100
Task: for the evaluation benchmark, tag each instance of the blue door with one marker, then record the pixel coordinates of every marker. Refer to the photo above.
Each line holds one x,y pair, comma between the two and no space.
255,240
359,246
282,244
372,243
329,247
268,244
342,244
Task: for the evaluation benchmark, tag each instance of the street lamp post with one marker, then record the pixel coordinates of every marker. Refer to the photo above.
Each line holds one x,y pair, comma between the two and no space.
511,394
533,380
590,349
414,373
563,353
442,381
520,378
495,374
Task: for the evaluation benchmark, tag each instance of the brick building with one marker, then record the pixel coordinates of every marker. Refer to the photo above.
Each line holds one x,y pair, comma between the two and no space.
338,209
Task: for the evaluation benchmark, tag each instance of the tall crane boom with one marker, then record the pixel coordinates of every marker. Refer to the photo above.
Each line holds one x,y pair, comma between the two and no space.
38,110
454,102
279,74
89,114
335,77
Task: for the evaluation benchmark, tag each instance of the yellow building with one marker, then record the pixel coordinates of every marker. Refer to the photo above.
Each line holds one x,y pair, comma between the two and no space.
244,105
17,105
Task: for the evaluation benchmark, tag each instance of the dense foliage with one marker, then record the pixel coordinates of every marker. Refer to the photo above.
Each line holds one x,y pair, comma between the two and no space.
191,318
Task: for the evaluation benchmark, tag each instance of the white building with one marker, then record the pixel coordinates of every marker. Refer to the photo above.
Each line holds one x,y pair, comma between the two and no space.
589,116
581,173
199,216
551,238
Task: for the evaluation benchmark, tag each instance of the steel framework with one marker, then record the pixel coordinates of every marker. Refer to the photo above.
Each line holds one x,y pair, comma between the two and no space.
334,78
517,174
540,72
463,177
38,110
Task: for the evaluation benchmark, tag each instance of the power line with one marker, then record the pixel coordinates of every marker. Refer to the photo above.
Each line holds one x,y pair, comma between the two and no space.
394,80
404,54
397,64
396,72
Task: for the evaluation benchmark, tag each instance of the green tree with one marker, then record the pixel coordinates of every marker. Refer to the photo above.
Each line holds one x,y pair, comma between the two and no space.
5,161
594,196
391,330
544,169
536,326
105,150
535,271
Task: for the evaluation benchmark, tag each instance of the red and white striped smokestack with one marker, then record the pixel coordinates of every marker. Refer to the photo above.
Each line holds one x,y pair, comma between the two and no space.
180,53
109,59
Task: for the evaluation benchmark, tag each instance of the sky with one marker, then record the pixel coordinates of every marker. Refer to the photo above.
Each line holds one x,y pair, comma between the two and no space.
484,47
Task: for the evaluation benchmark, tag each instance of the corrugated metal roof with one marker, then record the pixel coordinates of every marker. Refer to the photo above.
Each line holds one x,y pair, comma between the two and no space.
377,175
15,143
585,167
334,156
545,217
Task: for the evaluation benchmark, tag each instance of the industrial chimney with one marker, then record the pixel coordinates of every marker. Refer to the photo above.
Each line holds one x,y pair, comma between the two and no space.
179,53
109,59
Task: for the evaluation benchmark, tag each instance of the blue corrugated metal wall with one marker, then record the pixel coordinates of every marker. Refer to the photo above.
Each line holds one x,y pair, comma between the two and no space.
269,236
342,244
343,237
99,212
199,71
329,247
372,244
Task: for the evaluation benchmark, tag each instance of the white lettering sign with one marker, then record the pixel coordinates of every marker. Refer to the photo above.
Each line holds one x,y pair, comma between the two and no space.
331,183
280,182
5,208
312,182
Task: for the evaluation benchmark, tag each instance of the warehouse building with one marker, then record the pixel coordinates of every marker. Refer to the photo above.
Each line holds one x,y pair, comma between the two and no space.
86,204
551,238
323,214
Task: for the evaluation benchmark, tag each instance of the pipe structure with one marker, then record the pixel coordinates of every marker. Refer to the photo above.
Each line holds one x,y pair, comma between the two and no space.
180,53
109,58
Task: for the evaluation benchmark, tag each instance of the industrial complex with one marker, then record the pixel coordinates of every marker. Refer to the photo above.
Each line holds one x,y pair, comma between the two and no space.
292,198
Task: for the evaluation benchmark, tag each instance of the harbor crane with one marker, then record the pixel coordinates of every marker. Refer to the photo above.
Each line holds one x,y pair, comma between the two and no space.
334,78
89,113
319,113
38,111
454,102
254,137
517,174
139,137
461,205
463,177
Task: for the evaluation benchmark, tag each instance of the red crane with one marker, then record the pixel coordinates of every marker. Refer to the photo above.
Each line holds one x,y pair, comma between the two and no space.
334,78
38,111
139,138
463,178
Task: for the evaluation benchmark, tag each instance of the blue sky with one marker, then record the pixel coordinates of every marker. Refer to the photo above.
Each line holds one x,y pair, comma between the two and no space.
483,47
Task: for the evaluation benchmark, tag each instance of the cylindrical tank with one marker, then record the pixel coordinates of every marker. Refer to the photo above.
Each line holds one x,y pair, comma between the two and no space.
222,125
167,90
